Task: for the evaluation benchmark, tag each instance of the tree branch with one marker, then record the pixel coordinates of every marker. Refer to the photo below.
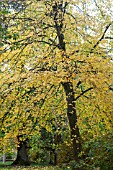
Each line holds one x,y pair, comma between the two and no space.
102,37
83,93
110,38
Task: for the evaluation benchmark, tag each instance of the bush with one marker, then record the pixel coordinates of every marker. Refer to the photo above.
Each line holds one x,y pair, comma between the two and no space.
100,153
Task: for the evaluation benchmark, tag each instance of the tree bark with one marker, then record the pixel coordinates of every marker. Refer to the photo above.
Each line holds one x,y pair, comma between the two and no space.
58,13
22,154
72,118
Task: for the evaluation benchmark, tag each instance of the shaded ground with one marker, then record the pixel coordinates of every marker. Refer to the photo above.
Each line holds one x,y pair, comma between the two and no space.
7,166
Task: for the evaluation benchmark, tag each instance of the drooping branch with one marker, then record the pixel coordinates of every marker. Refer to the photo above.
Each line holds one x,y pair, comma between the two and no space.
43,100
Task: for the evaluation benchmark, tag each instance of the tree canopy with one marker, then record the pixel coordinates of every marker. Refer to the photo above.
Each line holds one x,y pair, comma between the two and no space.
56,59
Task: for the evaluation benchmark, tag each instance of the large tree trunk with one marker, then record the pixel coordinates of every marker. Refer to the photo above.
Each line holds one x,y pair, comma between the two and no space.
58,13
72,117
22,154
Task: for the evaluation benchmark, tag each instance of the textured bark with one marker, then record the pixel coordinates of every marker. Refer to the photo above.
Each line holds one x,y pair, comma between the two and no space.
22,154
72,117
58,13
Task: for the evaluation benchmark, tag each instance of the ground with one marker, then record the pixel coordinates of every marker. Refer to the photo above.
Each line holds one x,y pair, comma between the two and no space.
7,166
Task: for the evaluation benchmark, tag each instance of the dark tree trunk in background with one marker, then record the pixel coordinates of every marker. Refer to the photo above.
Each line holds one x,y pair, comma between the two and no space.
72,118
22,154
53,157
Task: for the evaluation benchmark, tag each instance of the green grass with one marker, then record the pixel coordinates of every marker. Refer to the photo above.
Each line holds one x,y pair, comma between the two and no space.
29,168
7,166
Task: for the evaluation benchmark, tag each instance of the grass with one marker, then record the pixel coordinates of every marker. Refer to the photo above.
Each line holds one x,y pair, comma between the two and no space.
7,166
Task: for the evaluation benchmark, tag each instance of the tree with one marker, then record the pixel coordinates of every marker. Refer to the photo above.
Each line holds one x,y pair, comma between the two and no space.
67,44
